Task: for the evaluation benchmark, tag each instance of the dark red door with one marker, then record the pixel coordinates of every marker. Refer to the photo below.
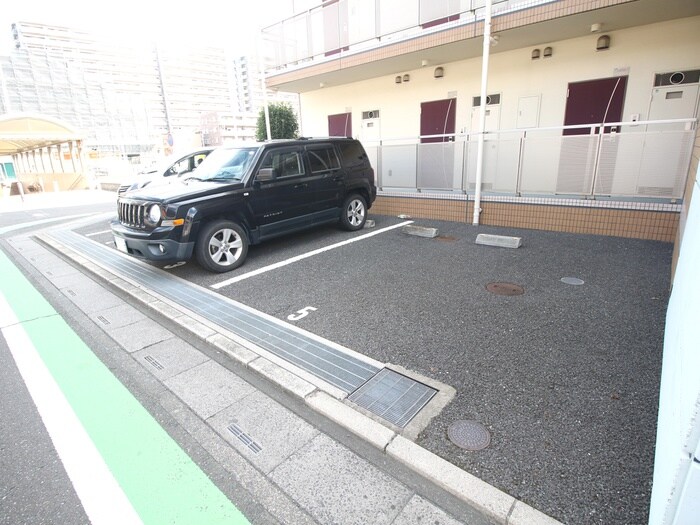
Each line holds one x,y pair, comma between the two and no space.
594,102
340,125
438,118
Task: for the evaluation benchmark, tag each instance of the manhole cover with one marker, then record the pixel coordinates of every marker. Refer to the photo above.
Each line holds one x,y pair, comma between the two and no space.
572,280
505,289
469,435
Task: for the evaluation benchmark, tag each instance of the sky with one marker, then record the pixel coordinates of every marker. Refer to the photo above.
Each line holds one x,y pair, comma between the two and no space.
235,22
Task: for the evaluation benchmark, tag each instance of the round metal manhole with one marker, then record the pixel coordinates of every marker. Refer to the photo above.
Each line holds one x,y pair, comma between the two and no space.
575,281
469,435
505,289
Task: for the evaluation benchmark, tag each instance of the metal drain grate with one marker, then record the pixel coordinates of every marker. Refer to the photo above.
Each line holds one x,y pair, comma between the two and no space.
103,320
244,438
153,362
446,238
505,289
326,361
393,397
469,435
71,292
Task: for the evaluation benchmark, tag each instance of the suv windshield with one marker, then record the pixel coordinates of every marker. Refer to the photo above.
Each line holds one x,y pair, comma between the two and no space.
225,164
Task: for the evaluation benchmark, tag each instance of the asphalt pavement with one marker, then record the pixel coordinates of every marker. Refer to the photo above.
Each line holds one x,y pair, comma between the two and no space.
564,377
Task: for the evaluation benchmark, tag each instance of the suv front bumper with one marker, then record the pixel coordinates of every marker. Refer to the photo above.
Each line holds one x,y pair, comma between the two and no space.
153,246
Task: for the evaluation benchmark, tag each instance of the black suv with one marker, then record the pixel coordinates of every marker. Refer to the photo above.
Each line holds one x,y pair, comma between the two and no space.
244,195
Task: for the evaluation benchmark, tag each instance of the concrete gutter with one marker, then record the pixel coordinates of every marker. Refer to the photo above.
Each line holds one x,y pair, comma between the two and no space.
494,504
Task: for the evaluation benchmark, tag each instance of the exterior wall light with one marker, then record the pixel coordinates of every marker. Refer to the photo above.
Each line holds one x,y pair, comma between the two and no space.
406,77
439,72
535,54
603,43
398,79
547,52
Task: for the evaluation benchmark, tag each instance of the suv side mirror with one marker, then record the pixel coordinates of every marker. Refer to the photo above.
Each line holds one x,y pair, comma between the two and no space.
265,175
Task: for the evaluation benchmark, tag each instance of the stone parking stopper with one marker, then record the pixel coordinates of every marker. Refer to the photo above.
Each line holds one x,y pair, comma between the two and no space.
420,231
502,241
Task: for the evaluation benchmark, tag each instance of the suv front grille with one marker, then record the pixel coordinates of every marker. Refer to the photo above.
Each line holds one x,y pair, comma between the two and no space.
132,214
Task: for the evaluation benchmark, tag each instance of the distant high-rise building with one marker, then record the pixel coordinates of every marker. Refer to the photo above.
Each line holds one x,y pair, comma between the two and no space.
132,97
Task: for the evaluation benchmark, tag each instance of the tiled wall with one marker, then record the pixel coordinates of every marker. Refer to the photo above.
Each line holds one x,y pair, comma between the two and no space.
635,220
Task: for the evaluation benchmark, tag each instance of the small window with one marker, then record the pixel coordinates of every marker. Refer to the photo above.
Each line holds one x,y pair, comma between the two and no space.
353,153
323,159
284,163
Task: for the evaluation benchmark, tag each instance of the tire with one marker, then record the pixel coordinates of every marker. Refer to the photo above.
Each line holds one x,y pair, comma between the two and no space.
215,236
353,213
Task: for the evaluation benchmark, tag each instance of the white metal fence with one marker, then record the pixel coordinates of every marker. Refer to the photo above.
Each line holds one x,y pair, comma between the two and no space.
640,160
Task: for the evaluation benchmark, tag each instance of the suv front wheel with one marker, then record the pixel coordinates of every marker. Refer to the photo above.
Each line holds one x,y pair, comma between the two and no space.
222,246
354,213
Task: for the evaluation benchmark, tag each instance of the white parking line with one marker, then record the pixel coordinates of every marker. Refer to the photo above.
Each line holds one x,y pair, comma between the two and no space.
264,269
93,234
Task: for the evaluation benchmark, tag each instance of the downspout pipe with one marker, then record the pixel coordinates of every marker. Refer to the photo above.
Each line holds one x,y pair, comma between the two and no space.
263,81
482,113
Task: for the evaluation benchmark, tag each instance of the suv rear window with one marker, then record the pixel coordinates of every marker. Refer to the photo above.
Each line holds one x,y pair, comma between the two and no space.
353,153
323,159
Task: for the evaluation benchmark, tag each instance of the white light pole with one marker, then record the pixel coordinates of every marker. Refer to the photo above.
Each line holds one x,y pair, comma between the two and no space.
482,113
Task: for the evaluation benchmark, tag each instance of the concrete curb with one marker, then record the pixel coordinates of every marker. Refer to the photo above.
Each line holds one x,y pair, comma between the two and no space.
493,503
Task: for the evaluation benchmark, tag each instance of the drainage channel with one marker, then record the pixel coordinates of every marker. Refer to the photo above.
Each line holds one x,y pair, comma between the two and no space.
392,396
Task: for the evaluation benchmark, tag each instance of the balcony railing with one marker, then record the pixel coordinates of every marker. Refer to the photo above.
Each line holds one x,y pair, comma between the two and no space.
348,26
641,160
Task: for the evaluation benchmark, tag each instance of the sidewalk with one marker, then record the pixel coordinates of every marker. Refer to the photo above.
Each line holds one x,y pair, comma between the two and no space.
328,481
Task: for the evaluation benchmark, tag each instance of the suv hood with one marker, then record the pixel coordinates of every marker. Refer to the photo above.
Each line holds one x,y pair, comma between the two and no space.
181,190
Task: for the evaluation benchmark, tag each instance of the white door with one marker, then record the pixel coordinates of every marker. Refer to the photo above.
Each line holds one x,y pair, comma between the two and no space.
670,102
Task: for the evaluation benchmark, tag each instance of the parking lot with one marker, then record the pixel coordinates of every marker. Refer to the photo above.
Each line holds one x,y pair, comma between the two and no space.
564,377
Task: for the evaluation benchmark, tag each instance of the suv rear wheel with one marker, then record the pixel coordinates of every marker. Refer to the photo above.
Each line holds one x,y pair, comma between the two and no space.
354,212
222,246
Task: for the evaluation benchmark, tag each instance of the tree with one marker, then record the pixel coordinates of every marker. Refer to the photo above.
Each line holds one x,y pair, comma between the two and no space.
283,122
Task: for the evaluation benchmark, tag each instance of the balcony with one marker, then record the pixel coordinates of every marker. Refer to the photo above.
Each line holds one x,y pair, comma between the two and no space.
639,161
350,40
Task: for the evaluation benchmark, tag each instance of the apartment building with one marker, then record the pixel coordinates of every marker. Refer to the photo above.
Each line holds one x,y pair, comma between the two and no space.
405,78
565,115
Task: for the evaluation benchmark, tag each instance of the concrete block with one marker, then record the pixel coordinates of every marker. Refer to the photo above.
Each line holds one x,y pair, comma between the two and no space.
209,388
369,223
322,474
173,355
420,231
231,348
365,427
502,241
271,433
524,514
292,383
485,498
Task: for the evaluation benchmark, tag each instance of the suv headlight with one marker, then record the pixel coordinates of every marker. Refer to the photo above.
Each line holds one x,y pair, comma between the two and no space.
153,215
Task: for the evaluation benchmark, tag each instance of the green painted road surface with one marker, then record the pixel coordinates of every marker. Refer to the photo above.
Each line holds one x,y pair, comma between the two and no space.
159,480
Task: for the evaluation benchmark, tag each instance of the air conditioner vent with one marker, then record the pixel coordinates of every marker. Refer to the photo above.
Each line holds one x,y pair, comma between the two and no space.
491,100
677,77
370,114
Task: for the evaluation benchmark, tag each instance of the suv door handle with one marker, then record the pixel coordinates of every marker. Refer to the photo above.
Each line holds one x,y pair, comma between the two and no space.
301,186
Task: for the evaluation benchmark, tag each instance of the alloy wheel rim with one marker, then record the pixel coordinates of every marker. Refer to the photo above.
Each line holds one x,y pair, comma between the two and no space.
225,247
356,212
